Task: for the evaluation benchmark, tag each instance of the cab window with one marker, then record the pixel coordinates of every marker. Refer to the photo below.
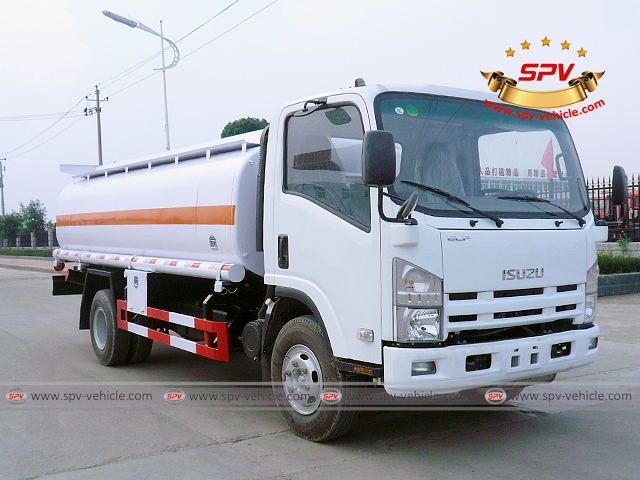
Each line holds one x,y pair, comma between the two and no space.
323,162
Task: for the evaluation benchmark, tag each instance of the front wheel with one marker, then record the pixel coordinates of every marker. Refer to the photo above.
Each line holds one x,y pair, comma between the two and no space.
301,368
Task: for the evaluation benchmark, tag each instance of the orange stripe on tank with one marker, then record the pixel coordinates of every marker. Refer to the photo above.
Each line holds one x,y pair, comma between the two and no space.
205,215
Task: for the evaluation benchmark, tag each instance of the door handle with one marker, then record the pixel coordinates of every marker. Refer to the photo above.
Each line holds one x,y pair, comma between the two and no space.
283,251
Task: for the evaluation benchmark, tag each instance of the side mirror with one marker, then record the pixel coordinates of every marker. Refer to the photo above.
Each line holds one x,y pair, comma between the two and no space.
620,186
378,159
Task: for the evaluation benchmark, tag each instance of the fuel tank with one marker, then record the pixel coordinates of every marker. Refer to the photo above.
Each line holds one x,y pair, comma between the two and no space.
195,204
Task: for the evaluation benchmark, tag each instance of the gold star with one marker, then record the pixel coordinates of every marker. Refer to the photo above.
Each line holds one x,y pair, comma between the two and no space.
510,52
546,41
525,45
582,52
565,45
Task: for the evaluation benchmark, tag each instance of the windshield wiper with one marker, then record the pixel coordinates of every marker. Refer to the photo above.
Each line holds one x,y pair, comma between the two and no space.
529,198
498,221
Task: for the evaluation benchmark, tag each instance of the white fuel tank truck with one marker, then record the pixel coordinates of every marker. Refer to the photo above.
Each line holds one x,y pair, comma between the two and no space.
415,238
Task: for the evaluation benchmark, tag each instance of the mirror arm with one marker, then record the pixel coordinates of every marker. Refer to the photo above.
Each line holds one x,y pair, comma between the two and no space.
406,221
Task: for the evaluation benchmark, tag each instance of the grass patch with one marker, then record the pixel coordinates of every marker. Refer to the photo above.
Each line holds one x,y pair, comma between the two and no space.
26,252
614,264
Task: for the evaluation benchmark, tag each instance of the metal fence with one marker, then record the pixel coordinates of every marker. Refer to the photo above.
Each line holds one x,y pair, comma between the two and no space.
623,221
26,240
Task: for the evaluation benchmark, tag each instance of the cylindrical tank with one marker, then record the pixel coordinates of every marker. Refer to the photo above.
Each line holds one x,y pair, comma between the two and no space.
194,204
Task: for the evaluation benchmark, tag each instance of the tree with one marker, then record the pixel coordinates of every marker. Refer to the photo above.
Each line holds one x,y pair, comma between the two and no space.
243,125
33,216
10,225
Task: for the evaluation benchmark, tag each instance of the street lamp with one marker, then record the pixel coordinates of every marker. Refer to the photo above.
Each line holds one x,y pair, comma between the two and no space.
176,58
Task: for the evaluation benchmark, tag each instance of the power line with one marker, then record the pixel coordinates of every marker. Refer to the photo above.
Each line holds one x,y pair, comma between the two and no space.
43,131
133,84
127,72
232,28
49,139
41,116
203,24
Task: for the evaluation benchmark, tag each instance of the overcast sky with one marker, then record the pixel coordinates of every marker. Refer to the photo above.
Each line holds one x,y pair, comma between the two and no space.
55,51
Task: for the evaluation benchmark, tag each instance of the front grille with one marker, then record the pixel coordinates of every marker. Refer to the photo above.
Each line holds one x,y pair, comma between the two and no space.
567,288
463,318
523,292
509,333
564,308
494,315
518,313
463,296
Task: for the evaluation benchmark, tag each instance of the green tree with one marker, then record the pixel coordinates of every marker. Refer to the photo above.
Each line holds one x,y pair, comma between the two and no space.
33,216
10,225
243,125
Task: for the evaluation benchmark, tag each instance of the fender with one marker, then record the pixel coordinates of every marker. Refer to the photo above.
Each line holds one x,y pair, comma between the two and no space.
293,294
295,303
96,280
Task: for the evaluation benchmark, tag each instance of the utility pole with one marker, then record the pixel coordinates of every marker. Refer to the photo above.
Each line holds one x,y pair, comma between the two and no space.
96,110
164,84
2,184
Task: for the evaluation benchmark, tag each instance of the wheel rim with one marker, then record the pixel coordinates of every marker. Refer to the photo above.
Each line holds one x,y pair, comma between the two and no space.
302,379
100,328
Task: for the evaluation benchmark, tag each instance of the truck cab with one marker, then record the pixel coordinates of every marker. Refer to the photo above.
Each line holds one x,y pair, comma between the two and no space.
490,279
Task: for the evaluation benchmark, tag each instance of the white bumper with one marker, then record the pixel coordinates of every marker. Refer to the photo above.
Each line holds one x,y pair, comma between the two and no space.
451,374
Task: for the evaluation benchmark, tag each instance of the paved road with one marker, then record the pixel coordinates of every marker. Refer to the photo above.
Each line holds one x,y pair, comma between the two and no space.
40,343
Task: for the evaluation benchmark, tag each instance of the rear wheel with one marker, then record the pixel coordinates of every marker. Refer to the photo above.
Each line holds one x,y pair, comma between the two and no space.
139,349
110,344
301,368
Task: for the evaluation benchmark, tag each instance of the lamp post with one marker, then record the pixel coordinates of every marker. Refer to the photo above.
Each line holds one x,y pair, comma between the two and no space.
176,58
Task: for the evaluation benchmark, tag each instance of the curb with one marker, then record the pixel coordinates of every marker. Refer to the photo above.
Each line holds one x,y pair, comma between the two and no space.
618,284
30,269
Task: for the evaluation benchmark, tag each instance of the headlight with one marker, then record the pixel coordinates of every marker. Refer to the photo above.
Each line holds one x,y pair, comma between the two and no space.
418,324
417,302
591,294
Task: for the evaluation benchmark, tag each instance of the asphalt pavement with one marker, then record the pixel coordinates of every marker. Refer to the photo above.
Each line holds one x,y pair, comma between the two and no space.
41,349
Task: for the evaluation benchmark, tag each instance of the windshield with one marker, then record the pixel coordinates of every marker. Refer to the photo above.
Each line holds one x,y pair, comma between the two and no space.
482,156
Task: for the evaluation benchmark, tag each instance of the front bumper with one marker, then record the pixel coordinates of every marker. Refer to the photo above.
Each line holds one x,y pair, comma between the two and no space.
451,374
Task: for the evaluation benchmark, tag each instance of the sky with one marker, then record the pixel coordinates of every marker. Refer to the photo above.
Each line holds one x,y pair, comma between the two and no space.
55,52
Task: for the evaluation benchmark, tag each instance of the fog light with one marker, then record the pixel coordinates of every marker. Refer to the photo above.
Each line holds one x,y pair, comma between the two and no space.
593,343
423,368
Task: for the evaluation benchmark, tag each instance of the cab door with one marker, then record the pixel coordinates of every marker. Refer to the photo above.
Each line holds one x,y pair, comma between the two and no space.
323,237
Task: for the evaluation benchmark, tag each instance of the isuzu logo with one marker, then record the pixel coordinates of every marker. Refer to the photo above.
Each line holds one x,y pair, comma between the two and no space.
522,273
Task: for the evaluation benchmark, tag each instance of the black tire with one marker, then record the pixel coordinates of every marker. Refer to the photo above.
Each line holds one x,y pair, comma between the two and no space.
110,344
139,349
301,340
